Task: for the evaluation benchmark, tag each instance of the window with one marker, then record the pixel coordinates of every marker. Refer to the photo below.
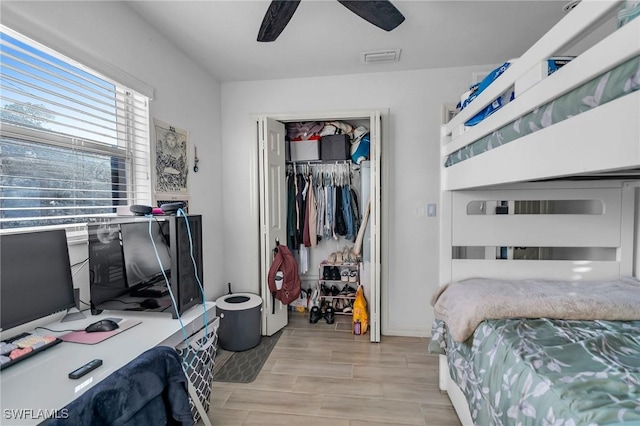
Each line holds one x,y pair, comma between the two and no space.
74,144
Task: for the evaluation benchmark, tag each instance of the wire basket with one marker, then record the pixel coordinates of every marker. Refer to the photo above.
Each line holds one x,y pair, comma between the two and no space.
198,359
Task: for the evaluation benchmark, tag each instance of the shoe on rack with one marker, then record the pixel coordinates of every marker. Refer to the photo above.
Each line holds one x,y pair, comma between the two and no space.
337,305
314,315
324,290
346,255
348,291
329,315
315,298
326,272
335,290
335,274
353,276
352,254
344,276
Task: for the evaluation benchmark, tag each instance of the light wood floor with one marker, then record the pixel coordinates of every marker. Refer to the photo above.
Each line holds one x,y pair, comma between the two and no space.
321,374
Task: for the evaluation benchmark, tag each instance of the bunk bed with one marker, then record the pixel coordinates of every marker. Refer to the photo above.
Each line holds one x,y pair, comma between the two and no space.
511,367
599,135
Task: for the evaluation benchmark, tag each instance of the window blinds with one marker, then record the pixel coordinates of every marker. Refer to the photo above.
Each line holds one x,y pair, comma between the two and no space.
74,145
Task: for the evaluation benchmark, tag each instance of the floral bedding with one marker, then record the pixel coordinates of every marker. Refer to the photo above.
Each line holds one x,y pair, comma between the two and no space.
547,372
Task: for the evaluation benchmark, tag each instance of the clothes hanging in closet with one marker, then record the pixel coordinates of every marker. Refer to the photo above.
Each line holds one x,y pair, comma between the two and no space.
321,204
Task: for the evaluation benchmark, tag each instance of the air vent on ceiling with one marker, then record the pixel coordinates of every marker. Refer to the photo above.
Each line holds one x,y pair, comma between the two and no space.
390,55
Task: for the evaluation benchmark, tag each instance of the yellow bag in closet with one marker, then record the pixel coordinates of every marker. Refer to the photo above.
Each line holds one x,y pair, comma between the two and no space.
360,311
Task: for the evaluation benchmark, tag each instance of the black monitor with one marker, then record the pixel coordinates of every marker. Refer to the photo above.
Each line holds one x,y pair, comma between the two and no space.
106,265
146,252
186,260
36,276
121,257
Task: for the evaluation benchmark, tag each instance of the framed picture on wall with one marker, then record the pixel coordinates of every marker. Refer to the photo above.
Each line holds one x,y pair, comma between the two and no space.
171,167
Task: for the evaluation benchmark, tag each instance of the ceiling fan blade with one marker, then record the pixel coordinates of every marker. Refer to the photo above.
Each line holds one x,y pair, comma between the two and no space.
276,18
382,14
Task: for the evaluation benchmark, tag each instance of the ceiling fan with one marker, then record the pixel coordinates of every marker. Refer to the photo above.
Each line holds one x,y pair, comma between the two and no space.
380,13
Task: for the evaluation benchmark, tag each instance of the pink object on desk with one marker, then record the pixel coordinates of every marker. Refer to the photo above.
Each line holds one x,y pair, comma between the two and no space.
98,336
157,211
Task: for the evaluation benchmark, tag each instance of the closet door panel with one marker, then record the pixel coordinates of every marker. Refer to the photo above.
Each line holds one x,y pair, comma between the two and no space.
273,215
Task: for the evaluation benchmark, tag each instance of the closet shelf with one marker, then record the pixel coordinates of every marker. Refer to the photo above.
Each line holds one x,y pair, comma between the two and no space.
350,265
340,296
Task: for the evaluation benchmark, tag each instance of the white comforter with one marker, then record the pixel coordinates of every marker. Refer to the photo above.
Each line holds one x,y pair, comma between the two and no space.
465,304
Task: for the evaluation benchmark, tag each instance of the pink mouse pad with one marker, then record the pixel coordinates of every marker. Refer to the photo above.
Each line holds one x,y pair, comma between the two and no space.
99,336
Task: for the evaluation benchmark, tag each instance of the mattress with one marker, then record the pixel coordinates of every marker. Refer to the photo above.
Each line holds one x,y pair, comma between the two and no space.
543,371
617,82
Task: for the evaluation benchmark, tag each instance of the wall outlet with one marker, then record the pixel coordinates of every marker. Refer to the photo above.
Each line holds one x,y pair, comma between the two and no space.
431,210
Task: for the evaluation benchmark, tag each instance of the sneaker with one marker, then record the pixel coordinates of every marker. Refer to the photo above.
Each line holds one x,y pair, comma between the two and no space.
314,315
353,276
350,291
345,275
329,315
314,300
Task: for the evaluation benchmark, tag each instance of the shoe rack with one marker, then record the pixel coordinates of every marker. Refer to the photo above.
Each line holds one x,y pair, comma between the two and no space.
337,286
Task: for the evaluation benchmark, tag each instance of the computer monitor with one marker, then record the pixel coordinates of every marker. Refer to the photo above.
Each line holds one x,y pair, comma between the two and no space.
36,276
144,264
114,248
106,264
185,242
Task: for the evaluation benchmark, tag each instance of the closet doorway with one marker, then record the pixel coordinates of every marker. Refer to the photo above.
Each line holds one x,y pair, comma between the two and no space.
270,141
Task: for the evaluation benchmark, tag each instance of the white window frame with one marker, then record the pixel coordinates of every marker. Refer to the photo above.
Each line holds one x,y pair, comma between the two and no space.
133,142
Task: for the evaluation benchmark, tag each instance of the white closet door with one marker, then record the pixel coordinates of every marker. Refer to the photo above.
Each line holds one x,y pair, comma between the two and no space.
273,215
376,201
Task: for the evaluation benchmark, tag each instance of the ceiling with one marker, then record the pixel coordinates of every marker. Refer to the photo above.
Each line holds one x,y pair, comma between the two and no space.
325,38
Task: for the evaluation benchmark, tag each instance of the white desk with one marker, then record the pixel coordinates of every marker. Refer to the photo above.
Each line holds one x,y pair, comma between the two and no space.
41,382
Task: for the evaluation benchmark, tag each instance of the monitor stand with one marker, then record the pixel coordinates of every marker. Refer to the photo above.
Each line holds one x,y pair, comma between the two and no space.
73,314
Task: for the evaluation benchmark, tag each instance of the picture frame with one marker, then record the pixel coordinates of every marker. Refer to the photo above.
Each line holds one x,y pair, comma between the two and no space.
171,162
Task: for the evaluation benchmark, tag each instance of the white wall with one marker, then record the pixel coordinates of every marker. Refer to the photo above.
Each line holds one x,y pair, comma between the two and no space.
414,100
113,39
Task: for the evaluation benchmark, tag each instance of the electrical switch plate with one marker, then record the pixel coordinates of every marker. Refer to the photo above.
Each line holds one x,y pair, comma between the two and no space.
431,210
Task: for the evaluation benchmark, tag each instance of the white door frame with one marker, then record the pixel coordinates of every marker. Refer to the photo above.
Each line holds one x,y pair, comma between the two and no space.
379,217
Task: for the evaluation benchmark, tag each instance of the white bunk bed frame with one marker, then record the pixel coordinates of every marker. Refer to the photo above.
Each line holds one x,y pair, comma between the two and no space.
553,152
546,154
613,229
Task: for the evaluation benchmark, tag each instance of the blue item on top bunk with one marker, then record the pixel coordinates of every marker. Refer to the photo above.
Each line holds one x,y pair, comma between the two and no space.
491,108
617,82
478,88
555,63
